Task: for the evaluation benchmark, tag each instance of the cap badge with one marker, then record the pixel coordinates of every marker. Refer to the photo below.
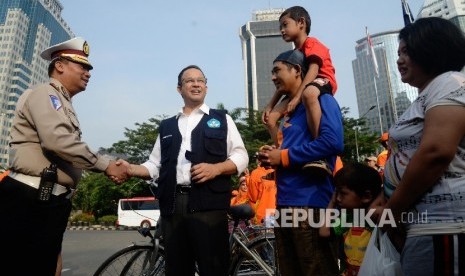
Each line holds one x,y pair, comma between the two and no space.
213,123
85,48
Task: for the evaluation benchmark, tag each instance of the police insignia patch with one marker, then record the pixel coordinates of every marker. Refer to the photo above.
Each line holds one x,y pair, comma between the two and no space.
56,103
213,123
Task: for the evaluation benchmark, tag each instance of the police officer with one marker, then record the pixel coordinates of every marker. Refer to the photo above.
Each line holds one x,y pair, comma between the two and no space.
46,141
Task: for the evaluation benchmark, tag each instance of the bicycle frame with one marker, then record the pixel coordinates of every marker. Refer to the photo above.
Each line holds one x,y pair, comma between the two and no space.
235,239
251,248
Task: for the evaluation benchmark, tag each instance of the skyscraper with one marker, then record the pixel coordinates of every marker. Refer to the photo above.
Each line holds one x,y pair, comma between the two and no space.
261,44
387,92
453,10
26,28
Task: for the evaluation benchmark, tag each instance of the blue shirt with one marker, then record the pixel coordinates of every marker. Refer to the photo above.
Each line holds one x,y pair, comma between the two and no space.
295,186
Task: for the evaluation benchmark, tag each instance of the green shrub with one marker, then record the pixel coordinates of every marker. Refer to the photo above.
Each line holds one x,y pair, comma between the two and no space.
83,217
108,220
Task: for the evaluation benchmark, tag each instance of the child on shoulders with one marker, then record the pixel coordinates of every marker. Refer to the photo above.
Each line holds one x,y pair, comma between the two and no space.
320,79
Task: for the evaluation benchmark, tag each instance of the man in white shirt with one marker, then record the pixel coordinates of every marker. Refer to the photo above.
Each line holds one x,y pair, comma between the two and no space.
192,161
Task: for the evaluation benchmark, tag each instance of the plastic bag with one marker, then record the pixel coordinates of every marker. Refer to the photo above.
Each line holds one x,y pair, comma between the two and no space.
381,257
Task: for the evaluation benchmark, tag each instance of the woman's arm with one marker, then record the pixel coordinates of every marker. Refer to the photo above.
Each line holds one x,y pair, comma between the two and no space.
444,128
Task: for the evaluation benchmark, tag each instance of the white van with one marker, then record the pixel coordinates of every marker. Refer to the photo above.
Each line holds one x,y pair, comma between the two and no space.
138,212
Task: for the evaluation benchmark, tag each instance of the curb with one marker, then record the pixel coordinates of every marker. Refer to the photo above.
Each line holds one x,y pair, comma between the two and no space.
93,228
99,228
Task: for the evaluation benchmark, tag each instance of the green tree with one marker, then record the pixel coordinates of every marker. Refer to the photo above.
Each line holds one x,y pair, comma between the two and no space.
252,130
139,142
98,195
367,143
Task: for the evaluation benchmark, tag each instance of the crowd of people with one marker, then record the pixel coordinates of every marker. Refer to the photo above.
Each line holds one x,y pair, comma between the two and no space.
421,169
258,189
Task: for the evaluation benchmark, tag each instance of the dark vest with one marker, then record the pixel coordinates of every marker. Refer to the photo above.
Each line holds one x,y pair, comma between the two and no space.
209,145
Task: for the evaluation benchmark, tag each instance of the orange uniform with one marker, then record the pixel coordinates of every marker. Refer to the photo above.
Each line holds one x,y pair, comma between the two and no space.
262,193
240,197
3,174
382,157
338,165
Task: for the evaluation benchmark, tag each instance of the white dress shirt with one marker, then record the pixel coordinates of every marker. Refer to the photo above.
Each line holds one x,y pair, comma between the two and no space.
235,146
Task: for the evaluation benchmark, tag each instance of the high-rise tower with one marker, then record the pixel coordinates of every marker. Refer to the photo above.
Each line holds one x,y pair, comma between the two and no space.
26,28
387,92
261,44
453,10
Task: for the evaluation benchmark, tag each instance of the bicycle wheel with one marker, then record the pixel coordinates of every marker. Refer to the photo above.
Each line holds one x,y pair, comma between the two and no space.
263,247
133,260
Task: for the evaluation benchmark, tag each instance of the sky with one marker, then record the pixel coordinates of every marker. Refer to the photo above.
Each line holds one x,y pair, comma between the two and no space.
138,47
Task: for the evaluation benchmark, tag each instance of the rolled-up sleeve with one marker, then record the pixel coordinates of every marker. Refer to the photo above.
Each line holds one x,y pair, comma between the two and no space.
153,164
236,149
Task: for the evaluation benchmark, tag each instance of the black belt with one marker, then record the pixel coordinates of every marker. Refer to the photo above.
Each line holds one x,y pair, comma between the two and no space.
183,189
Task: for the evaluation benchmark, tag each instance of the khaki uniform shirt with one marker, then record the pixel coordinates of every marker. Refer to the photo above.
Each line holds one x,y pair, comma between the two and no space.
45,130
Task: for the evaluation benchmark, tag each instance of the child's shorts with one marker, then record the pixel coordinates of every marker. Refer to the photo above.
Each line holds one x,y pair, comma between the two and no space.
323,85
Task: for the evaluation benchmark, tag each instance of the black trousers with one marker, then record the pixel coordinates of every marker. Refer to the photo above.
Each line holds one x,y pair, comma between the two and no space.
191,237
31,232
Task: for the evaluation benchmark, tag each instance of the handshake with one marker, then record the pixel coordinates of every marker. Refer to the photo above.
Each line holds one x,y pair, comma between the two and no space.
120,170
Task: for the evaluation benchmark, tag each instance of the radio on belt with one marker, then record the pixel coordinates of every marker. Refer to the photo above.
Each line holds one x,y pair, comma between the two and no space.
48,178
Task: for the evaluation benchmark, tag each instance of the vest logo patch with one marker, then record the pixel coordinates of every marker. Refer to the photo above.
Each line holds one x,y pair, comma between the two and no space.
213,123
55,102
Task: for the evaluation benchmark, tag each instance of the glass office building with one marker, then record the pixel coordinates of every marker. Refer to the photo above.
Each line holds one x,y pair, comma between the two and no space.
387,92
26,28
453,10
261,44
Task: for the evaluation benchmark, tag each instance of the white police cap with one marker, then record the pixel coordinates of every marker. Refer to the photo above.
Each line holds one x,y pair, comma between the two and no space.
75,49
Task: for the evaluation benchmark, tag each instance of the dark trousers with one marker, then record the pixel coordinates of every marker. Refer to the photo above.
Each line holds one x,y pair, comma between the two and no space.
301,251
191,237
31,232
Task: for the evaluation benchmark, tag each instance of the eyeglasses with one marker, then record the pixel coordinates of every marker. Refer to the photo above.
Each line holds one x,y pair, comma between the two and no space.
190,81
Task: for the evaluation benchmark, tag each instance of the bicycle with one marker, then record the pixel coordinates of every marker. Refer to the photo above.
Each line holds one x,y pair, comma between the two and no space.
141,258
252,250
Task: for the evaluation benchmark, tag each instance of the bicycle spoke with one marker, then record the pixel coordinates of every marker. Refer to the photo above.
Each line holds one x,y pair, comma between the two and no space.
252,252
132,261
263,249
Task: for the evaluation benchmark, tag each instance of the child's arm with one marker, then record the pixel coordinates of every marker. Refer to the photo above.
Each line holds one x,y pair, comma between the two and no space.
325,230
274,100
311,75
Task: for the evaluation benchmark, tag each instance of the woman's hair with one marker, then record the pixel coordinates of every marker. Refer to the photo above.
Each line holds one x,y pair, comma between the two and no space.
184,70
435,44
296,13
359,178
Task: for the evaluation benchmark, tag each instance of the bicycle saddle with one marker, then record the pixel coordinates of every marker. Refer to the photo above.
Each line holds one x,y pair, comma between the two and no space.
241,212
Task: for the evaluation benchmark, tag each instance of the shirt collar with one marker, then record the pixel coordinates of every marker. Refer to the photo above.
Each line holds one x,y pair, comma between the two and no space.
202,109
57,84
